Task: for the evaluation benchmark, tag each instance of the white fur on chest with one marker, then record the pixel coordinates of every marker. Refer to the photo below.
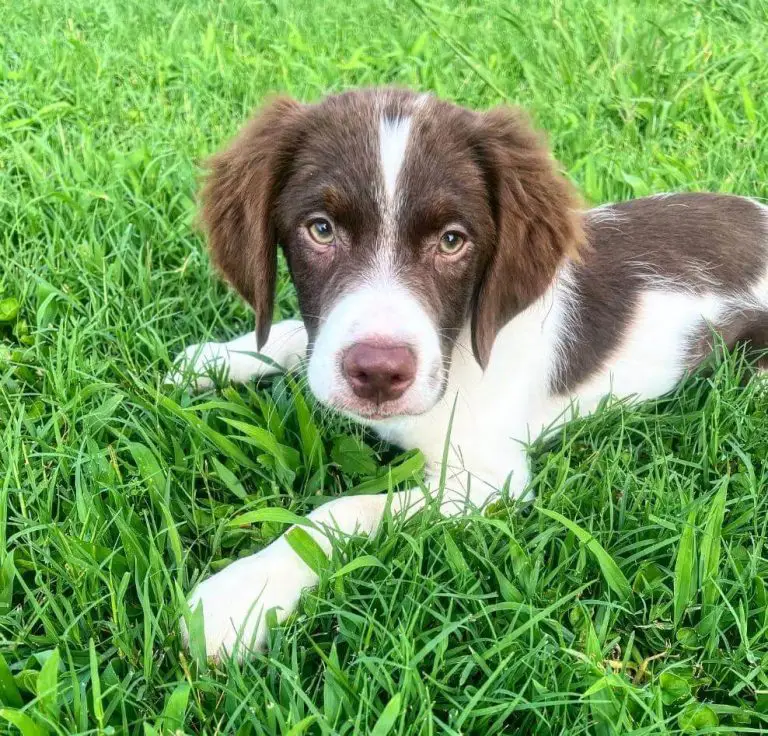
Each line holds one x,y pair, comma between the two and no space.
490,410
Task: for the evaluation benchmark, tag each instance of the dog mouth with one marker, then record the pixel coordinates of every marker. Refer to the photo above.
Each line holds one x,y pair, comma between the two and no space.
387,410
373,412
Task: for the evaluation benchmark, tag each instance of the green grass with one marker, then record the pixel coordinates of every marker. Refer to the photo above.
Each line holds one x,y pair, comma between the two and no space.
116,495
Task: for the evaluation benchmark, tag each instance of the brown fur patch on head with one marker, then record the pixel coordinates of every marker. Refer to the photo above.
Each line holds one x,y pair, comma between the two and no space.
538,222
238,205
488,173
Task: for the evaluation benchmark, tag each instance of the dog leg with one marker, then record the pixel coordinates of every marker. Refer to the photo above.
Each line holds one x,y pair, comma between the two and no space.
235,601
239,359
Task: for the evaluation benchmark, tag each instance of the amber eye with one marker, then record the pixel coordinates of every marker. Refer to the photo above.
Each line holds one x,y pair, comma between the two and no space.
321,231
451,242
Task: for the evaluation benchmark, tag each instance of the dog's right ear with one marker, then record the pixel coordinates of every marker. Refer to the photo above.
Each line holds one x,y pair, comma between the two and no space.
238,201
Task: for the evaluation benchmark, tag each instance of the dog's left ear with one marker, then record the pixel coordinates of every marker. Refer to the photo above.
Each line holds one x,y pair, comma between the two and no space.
537,217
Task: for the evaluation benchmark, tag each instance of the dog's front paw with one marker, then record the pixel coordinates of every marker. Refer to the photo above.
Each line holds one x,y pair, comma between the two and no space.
197,365
236,600
240,360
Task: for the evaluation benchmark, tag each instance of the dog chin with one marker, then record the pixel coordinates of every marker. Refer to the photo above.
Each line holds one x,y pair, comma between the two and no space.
369,413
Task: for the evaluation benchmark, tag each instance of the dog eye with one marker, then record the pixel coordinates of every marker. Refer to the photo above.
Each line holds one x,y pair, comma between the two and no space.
321,231
451,242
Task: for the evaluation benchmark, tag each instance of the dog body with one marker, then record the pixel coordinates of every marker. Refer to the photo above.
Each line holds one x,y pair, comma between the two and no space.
449,280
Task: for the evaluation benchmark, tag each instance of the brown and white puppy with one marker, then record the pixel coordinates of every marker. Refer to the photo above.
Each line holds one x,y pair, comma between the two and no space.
441,261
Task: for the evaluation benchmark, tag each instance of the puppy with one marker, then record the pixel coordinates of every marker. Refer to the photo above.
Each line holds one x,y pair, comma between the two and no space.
447,275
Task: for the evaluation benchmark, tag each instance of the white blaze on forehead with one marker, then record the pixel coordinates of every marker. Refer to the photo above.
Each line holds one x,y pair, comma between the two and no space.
393,142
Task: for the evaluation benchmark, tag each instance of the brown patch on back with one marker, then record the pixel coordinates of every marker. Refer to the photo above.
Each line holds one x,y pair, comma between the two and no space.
695,243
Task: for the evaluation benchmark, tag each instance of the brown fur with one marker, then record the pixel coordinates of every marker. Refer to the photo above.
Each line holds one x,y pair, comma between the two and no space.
238,205
691,242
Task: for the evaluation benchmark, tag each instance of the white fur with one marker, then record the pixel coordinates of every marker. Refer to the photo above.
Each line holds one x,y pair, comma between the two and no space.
240,360
393,142
236,600
394,135
605,213
760,291
490,418
662,324
380,309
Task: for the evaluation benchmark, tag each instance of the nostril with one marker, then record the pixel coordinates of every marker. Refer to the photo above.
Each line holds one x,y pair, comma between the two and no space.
402,380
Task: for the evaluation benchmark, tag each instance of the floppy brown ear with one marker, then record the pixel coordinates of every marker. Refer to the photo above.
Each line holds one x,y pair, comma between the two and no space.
238,198
538,223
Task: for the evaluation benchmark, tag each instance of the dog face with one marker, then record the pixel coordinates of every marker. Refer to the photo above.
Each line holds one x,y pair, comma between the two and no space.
402,218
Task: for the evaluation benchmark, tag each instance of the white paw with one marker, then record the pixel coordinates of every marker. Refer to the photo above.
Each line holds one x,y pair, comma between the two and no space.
196,366
236,600
240,360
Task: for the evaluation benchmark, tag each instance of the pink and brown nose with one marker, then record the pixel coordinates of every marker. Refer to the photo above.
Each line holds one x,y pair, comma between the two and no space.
379,372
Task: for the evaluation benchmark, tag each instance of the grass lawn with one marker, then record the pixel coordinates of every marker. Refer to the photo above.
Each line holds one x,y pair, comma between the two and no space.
632,598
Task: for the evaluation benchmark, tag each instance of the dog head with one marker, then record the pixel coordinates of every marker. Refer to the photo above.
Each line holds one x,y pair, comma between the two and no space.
402,218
